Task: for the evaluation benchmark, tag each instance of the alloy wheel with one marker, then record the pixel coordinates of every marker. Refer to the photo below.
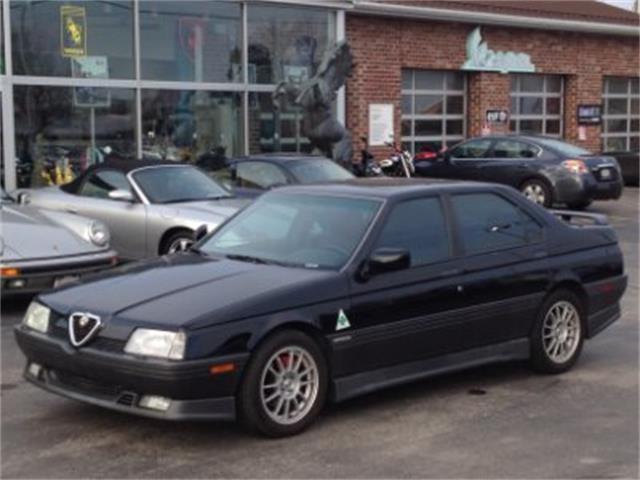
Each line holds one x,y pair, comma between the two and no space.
289,385
561,332
181,244
535,193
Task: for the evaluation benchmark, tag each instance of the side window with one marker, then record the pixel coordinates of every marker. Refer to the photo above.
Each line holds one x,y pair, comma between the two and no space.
473,149
99,184
514,149
260,175
417,226
488,222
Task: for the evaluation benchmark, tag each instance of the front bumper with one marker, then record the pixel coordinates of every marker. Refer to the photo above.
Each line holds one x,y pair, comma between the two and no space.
37,275
119,381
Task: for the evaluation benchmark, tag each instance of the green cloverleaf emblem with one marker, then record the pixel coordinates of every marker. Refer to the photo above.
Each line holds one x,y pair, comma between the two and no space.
343,321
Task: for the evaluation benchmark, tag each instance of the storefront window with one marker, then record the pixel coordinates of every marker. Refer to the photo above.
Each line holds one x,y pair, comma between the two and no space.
272,130
286,42
191,41
194,126
536,104
47,35
620,129
433,109
60,131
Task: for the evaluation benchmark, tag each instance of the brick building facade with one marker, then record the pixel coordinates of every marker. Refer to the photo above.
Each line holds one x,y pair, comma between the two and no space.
386,46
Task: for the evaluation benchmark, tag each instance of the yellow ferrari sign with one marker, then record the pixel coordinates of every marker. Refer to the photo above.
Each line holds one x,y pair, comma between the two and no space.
73,31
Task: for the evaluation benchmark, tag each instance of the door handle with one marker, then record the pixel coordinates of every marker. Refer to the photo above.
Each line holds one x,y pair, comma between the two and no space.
70,209
540,254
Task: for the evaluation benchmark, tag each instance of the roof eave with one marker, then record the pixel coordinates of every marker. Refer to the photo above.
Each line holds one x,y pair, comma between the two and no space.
367,7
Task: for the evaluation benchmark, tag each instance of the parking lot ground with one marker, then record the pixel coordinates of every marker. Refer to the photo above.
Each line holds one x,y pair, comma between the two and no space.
499,421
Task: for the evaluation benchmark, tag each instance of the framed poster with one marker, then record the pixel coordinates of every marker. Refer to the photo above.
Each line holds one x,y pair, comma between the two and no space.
73,31
589,114
380,124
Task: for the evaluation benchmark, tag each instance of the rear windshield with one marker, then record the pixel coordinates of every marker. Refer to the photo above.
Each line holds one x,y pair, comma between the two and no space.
563,148
318,170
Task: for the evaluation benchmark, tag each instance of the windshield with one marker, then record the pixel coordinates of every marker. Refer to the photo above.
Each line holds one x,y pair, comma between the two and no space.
563,148
309,231
318,170
177,184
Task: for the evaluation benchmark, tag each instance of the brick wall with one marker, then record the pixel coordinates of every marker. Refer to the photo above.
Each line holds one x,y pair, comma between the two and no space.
384,46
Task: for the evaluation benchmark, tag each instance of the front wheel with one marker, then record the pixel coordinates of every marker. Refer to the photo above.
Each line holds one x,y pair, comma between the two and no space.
180,241
558,334
285,384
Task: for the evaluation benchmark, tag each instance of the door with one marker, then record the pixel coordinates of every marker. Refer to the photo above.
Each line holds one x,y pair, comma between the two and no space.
127,221
505,266
509,162
463,161
401,316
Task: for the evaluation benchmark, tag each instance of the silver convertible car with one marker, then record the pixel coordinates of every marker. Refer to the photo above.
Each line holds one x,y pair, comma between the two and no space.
40,249
151,208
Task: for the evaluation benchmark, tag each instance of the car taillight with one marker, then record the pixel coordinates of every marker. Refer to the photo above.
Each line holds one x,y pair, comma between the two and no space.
575,166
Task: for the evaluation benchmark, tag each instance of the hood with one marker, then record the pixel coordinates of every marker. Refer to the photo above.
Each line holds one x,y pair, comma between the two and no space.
30,233
192,291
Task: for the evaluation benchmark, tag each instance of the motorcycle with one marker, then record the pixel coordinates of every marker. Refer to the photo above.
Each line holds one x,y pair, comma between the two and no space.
399,164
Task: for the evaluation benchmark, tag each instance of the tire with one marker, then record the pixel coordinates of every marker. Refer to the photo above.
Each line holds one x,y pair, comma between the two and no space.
273,418
547,356
177,242
579,205
538,191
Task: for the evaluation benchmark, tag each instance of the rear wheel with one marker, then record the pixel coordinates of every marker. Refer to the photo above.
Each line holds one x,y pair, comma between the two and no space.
538,192
558,335
284,386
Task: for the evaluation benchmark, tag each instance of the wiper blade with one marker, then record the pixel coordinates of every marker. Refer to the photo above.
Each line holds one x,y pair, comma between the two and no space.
246,258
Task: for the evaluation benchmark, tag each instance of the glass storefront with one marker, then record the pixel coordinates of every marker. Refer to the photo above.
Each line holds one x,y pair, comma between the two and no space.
621,116
536,104
194,84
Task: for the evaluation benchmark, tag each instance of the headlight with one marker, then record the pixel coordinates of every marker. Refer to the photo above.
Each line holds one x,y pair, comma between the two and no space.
99,234
157,343
37,317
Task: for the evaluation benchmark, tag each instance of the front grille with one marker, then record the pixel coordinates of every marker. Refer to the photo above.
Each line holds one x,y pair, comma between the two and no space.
83,384
60,330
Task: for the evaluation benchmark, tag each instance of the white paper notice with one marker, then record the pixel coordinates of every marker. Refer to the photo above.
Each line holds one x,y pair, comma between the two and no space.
380,124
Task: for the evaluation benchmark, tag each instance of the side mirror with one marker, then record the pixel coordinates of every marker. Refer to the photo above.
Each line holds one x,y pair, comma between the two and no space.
200,233
385,260
121,195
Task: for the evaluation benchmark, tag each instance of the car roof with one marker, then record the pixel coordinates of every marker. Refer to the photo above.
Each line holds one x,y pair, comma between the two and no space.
386,187
119,164
278,157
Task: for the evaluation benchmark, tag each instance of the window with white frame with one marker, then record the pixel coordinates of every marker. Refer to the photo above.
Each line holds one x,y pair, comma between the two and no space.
537,104
434,108
621,117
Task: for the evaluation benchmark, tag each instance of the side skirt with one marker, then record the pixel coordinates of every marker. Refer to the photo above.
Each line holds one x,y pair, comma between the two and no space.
366,382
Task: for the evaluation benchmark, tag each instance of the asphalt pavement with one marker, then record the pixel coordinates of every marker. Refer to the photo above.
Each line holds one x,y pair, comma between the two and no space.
500,421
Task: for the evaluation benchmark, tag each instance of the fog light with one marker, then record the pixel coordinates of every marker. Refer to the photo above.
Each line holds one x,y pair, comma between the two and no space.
17,283
35,369
154,402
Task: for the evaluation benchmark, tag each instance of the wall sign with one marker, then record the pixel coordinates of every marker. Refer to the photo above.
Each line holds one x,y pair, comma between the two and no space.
481,57
589,114
497,116
73,31
90,67
380,124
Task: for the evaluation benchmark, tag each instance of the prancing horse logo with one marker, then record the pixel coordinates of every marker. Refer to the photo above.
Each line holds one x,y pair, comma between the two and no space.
82,327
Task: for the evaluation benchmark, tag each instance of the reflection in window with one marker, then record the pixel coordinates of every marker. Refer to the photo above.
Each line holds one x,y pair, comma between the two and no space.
536,104
286,42
59,134
433,109
194,126
273,130
191,41
38,46
620,117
